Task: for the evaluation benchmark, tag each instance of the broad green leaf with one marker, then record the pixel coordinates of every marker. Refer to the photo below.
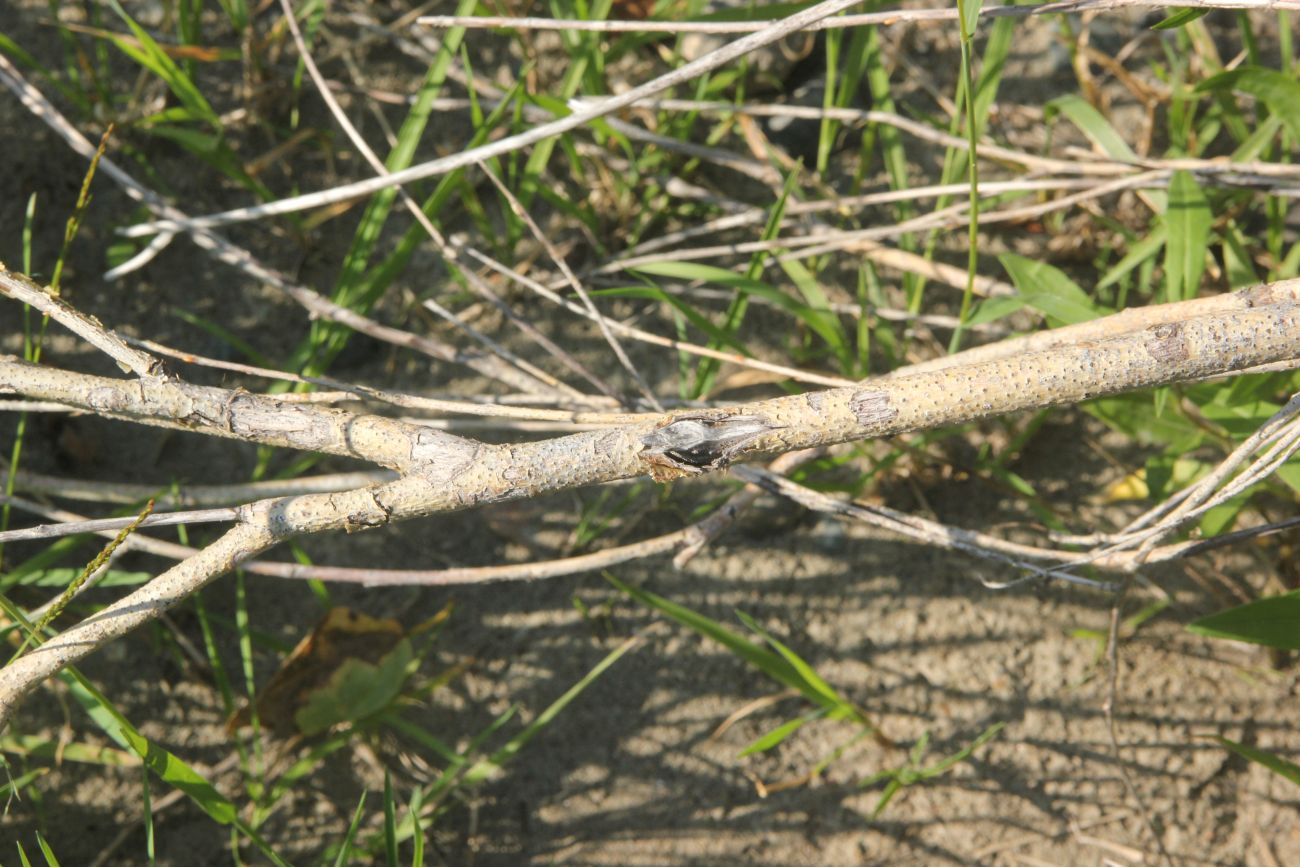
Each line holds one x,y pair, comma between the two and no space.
1221,518
1237,262
1135,415
1273,621
1276,764
1239,416
1168,473
1278,91
1049,291
1090,122
993,309
1187,224
357,690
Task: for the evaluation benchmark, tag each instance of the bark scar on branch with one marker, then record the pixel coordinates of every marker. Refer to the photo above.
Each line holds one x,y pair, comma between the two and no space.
689,444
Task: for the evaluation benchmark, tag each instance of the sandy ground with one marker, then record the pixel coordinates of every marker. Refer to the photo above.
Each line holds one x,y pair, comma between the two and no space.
634,772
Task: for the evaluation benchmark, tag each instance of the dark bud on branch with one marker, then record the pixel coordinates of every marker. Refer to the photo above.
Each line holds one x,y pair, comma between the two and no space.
690,444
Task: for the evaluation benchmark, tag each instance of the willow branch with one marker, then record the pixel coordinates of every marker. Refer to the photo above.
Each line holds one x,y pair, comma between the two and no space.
440,473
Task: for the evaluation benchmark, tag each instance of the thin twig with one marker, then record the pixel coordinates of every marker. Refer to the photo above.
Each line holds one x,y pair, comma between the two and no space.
517,207
687,72
224,251
414,209
22,289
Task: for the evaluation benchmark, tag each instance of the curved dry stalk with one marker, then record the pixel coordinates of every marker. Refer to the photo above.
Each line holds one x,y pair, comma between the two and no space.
100,525
870,19
931,533
237,257
828,241
448,252
178,583
713,60
345,391
653,339
522,213
753,216
189,496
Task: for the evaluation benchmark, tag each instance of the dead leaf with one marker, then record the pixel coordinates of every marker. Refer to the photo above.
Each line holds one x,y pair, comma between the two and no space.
343,635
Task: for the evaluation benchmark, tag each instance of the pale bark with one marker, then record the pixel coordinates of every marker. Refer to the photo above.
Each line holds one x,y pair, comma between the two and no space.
439,472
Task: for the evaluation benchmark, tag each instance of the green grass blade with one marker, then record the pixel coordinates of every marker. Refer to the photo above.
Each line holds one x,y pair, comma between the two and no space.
305,765
1138,253
178,774
823,322
481,770
961,755
1273,621
1180,18
50,859
1187,222
149,55
818,315
1278,91
353,290
75,751
1091,123
1050,291
1276,764
390,822
345,847
13,785
778,734
147,797
764,660
812,684
413,813
717,335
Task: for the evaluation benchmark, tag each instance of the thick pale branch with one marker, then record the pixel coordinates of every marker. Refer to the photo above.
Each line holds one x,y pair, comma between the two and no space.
1265,327
444,473
176,584
235,414
20,287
